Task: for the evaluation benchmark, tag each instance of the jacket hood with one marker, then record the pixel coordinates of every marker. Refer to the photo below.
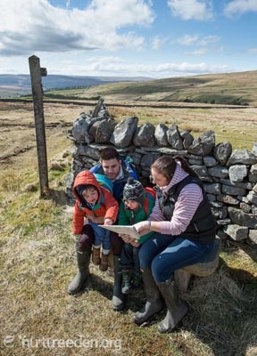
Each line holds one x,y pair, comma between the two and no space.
85,178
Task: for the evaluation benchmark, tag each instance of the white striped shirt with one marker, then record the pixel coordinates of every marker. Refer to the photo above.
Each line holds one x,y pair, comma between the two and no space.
185,207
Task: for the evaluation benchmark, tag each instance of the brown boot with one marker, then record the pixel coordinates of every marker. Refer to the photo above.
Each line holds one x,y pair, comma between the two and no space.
104,263
96,256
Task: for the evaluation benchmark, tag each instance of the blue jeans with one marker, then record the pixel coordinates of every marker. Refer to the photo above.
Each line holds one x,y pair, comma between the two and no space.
129,258
165,254
102,236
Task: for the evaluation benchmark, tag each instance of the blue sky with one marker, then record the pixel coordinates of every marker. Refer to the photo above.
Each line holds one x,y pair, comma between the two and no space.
153,38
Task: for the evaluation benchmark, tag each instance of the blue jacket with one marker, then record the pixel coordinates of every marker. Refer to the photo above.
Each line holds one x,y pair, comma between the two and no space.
118,185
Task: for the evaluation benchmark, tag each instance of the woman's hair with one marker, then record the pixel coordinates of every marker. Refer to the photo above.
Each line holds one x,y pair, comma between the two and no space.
166,166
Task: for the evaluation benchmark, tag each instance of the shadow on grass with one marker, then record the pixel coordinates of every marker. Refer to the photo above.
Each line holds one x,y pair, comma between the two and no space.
59,197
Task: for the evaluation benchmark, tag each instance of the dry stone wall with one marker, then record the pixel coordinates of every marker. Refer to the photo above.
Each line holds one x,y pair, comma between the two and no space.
230,177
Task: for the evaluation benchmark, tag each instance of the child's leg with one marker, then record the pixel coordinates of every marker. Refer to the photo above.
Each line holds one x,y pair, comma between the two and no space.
126,262
96,246
137,277
106,246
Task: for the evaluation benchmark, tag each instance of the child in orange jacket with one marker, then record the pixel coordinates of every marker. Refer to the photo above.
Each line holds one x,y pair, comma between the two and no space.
94,205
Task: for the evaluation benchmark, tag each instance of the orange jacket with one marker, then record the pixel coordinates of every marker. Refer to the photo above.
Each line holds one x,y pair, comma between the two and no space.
108,206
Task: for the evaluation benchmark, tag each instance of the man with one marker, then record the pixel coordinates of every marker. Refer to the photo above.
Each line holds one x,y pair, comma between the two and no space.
117,170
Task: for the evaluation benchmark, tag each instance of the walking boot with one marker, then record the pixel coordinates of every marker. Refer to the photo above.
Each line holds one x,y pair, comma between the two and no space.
78,282
117,297
104,263
126,282
154,301
176,308
96,256
110,264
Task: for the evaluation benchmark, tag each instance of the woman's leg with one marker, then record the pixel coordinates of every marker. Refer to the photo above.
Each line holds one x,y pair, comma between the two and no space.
179,253
147,252
152,247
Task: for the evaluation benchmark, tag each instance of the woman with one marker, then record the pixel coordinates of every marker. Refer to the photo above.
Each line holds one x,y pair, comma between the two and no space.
184,233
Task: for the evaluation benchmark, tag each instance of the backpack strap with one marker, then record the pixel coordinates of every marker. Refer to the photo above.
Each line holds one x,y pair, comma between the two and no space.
150,194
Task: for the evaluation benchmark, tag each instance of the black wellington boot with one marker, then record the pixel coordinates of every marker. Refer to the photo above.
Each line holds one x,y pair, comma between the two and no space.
78,282
177,309
154,301
117,296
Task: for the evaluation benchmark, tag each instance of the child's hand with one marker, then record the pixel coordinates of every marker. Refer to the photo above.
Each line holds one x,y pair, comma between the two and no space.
134,243
125,238
108,222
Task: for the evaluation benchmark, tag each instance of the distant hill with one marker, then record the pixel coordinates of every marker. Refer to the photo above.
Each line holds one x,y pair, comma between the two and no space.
227,89
12,85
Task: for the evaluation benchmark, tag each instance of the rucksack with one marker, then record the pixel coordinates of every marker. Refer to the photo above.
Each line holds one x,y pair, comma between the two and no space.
150,195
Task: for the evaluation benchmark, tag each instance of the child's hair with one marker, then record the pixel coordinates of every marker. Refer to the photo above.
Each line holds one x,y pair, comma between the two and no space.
166,166
84,187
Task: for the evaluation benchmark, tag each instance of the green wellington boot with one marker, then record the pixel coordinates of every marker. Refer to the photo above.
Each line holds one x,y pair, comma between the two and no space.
78,282
154,301
177,309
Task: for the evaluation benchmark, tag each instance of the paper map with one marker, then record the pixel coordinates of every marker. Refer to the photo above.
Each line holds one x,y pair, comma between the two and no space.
123,230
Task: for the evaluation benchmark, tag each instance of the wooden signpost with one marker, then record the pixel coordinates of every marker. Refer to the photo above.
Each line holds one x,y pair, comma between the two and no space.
37,92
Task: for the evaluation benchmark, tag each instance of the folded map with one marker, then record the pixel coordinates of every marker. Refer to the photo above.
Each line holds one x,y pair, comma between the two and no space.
123,230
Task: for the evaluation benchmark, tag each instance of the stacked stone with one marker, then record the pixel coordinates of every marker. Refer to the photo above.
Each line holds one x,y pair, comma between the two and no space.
230,178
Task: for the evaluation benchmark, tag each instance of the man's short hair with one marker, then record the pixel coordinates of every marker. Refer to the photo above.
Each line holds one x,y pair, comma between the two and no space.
109,153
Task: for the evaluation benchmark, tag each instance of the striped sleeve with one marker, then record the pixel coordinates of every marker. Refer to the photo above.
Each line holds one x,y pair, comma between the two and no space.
188,201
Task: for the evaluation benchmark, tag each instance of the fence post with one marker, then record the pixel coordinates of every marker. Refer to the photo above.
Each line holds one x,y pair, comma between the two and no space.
37,92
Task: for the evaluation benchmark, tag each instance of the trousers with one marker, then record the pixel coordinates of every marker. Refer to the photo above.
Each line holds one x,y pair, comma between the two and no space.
165,254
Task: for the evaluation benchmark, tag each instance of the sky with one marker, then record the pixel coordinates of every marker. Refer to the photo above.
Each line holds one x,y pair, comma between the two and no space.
128,38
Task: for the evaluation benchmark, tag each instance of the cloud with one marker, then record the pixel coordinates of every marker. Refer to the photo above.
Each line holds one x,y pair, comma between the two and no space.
158,42
191,9
203,44
252,50
239,7
111,65
39,26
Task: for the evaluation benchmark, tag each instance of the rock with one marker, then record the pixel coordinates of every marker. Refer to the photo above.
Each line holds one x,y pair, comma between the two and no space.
174,138
222,152
237,232
144,136
242,157
102,130
240,218
203,145
187,139
124,132
160,135
237,173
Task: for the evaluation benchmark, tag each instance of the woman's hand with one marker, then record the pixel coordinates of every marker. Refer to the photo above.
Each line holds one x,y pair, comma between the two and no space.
142,227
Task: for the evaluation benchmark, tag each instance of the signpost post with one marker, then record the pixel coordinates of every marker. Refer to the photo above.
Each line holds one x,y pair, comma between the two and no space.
37,92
